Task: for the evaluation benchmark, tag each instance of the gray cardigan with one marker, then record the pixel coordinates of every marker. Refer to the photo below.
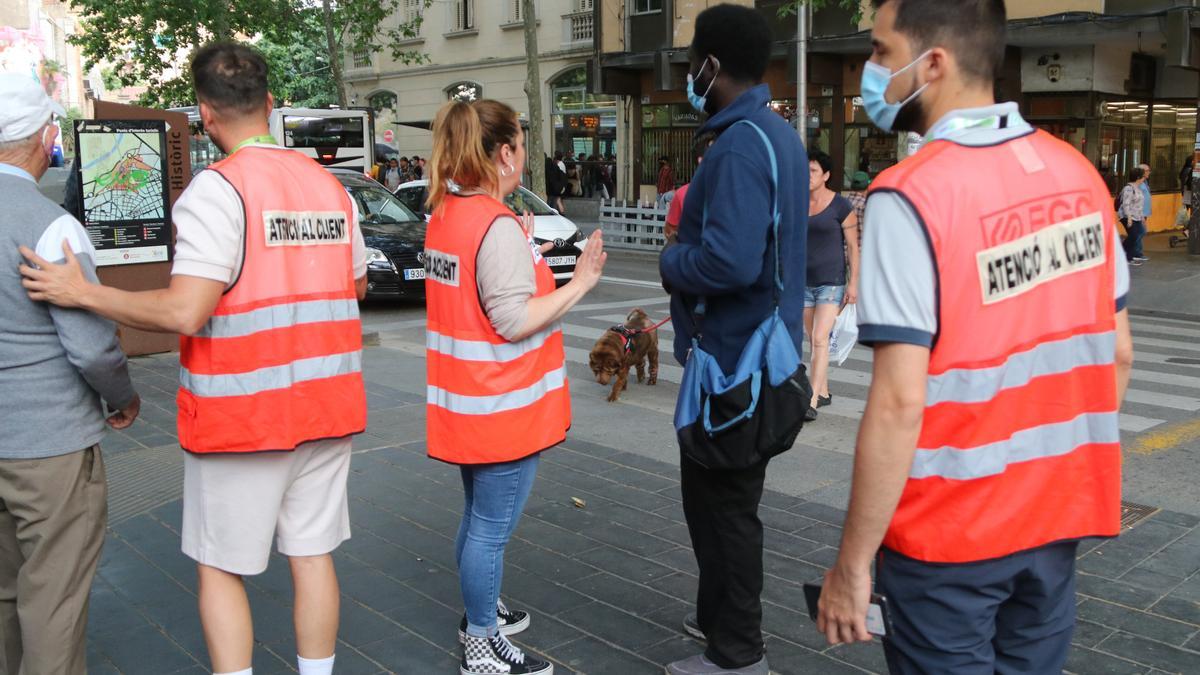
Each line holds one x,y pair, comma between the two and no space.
55,364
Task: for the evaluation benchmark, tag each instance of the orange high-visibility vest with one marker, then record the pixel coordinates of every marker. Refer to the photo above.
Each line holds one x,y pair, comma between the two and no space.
1020,445
280,361
489,400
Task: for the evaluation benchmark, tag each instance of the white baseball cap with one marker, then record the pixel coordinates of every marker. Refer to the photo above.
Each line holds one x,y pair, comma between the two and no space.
24,107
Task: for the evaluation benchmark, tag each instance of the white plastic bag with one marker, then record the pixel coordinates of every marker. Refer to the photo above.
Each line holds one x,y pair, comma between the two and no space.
844,336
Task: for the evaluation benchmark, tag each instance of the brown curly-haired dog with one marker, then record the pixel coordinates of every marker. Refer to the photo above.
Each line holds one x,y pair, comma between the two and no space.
622,347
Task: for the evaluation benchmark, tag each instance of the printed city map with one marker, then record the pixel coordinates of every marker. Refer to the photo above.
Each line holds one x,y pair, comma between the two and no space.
121,177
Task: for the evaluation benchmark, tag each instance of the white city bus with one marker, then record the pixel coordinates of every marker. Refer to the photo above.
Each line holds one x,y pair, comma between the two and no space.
335,138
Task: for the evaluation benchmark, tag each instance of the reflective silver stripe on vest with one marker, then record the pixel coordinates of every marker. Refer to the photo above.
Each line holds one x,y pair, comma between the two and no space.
1050,440
274,377
486,405
278,316
478,350
970,385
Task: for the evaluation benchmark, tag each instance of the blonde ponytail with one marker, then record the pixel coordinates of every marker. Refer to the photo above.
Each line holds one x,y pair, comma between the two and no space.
458,153
466,137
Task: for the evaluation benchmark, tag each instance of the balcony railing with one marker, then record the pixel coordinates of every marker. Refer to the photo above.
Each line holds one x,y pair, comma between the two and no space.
578,30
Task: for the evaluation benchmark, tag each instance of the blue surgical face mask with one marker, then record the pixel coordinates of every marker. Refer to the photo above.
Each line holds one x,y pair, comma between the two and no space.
699,102
875,81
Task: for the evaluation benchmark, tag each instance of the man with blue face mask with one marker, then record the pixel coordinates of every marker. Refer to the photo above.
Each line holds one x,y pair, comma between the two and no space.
994,296
725,254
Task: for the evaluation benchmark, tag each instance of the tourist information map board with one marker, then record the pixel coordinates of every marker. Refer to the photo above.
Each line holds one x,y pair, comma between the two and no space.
122,170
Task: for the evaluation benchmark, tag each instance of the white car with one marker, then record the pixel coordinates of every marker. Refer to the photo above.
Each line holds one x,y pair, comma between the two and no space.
548,225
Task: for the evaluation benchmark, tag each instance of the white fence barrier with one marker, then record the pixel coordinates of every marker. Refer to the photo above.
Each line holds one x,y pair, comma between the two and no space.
636,227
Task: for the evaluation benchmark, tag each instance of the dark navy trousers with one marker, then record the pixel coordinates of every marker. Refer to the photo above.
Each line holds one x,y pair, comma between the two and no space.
1012,615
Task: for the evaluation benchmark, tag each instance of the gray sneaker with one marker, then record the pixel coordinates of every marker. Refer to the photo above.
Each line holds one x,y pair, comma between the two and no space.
691,626
698,665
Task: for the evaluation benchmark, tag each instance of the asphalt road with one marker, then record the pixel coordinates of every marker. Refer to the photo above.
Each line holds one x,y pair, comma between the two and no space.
1160,425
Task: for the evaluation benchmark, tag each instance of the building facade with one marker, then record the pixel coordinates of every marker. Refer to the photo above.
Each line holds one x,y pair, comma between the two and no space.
1115,78
34,37
476,49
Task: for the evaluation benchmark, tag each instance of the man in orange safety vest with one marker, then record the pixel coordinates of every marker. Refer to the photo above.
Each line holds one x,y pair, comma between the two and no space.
993,292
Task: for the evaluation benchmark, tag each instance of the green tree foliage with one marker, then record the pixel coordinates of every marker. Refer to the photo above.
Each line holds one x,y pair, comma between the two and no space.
67,124
790,8
112,81
299,64
146,39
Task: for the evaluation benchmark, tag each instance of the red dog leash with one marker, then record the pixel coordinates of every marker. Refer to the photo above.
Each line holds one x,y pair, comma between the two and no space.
627,334
655,327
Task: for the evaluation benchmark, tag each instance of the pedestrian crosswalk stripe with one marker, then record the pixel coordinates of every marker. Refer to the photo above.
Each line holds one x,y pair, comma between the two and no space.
848,375
615,319
641,283
1171,379
1170,331
1162,400
1155,357
1162,320
864,354
852,408
1189,346
842,406
1138,424
662,300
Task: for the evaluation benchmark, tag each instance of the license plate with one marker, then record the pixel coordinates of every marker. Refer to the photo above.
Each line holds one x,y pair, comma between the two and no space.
414,275
560,260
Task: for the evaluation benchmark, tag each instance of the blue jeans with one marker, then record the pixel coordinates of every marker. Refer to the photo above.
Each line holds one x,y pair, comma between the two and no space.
1135,232
495,496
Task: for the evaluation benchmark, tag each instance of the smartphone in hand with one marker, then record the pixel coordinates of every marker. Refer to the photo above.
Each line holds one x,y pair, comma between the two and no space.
878,619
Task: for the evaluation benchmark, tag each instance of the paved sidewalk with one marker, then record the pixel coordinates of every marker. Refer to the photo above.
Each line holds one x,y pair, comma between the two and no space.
1169,284
607,583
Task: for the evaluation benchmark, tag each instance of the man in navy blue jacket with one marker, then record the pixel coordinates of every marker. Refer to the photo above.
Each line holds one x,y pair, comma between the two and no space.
727,259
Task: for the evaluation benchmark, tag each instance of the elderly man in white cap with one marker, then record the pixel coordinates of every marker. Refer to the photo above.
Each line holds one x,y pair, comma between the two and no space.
55,367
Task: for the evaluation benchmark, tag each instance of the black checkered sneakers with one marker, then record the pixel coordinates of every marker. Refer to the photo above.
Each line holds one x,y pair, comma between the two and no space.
497,656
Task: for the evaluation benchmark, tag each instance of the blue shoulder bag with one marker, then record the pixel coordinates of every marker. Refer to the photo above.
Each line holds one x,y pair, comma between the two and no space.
737,420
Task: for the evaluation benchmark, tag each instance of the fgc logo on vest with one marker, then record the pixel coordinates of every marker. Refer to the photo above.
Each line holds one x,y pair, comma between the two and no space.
1013,223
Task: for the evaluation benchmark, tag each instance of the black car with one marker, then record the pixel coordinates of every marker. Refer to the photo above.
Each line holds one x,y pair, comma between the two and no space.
395,239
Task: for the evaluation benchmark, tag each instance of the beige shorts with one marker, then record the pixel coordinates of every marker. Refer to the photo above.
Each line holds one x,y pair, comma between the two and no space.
234,505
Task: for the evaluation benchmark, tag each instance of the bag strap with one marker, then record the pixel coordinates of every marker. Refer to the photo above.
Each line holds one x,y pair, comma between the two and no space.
776,216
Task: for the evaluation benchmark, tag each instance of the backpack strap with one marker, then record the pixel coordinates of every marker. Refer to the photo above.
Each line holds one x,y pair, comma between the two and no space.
776,217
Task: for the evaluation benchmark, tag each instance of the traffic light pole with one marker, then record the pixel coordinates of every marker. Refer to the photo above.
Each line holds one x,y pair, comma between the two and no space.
1193,226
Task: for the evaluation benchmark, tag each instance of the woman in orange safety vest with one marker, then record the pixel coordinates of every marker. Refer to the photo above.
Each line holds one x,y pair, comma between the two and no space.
497,387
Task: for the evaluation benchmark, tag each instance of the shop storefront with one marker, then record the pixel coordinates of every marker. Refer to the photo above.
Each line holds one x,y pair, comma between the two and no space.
669,131
1118,133
584,123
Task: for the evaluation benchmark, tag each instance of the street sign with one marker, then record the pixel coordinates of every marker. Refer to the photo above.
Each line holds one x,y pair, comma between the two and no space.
389,136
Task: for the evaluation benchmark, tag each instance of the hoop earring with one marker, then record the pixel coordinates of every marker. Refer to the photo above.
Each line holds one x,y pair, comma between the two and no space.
511,170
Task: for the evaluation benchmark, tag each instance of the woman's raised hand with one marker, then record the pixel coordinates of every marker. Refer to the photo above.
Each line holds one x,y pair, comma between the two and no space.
590,265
